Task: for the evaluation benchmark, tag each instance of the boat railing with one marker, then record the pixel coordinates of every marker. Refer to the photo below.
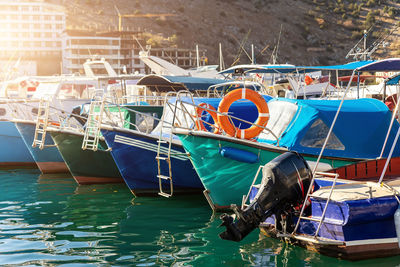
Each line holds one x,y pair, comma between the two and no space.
246,197
196,120
22,109
214,91
49,116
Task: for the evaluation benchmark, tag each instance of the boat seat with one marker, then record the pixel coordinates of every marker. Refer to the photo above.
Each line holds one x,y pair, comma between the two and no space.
356,191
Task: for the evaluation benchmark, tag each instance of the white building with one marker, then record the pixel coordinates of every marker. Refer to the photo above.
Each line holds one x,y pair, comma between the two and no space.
78,46
31,31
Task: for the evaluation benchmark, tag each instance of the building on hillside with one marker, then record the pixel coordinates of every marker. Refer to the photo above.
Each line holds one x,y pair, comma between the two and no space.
120,49
30,37
78,46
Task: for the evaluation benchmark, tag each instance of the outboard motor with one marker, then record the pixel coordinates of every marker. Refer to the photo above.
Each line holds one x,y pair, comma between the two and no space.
284,186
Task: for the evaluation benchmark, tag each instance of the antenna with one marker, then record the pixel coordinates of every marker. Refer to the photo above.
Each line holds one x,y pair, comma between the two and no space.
356,51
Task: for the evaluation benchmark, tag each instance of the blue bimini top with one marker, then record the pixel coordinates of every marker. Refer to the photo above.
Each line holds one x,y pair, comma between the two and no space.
359,132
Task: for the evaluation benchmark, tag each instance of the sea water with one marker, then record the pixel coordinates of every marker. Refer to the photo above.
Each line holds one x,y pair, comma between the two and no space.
50,220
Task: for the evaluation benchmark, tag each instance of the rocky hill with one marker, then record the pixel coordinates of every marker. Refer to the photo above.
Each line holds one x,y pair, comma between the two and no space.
295,31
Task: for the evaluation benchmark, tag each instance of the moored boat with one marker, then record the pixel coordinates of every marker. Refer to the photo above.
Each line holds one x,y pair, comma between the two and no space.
48,160
339,218
300,125
13,152
86,166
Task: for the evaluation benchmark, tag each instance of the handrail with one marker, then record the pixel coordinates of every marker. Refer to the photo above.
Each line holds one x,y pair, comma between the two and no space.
390,128
236,118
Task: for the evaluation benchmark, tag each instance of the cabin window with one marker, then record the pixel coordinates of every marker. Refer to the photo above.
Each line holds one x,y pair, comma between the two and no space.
3,111
146,123
315,137
74,91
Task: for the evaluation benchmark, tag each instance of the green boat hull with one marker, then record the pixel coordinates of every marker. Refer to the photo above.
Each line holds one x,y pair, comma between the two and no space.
227,180
86,166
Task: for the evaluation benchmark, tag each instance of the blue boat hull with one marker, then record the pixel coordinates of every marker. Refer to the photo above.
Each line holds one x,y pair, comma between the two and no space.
135,155
13,150
49,159
365,226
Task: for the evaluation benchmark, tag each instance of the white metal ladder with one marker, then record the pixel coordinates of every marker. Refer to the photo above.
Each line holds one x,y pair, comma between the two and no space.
321,219
41,123
92,131
165,156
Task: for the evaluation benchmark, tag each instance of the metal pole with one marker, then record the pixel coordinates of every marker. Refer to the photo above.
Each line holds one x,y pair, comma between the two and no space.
252,54
220,57
332,125
365,45
384,91
358,85
197,56
390,156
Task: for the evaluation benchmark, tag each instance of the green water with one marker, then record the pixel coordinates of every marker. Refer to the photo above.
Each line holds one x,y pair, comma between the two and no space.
48,220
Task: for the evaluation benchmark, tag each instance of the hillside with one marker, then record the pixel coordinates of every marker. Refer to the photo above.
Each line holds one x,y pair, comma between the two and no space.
312,31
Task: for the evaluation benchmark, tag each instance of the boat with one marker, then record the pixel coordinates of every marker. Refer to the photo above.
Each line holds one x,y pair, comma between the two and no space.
52,102
97,166
163,167
65,94
14,152
352,220
86,166
221,160
299,125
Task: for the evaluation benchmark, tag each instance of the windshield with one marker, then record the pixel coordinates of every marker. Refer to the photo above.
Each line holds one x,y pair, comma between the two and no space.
316,135
46,89
75,91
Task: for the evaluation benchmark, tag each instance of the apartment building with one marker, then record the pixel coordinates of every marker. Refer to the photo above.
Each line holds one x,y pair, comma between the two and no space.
78,46
30,35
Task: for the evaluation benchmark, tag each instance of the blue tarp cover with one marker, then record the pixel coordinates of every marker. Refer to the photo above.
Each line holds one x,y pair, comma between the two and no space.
361,127
393,80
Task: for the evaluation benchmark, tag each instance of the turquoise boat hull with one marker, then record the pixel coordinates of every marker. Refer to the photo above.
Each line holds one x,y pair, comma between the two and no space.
226,179
13,150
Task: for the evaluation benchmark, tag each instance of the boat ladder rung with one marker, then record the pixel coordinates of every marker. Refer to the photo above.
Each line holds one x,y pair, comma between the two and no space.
310,219
161,158
162,141
164,177
164,194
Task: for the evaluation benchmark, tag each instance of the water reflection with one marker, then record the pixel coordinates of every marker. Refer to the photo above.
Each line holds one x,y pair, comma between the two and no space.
50,220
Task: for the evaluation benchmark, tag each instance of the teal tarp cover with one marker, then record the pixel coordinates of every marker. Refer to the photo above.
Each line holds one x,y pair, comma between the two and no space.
361,127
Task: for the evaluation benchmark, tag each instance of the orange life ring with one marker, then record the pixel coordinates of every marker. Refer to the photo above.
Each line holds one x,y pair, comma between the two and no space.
199,111
23,83
262,107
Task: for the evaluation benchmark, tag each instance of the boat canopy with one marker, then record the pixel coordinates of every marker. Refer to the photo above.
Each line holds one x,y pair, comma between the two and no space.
359,132
389,64
287,69
177,83
393,80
